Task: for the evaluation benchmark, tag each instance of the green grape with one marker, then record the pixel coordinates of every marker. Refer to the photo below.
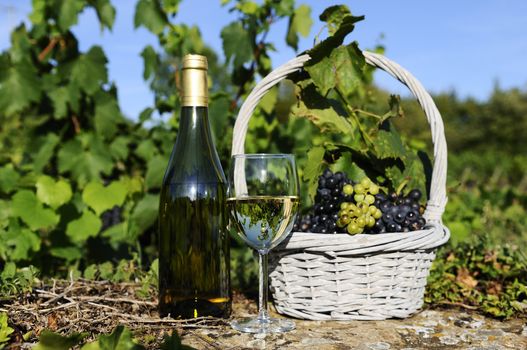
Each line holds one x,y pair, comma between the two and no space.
359,189
345,219
361,222
374,189
365,182
371,221
372,209
348,190
369,199
353,228
363,207
359,198
377,214
344,205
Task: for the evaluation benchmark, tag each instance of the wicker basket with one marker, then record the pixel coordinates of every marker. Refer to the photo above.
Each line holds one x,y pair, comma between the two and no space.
366,277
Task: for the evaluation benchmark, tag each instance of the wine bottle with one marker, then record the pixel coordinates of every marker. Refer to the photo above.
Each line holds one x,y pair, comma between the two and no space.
194,276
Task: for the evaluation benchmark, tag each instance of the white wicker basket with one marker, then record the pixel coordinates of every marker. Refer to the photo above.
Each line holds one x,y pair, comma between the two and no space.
366,277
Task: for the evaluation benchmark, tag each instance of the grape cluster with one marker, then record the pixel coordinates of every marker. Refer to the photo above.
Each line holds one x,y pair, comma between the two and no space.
326,209
342,206
399,213
363,214
111,217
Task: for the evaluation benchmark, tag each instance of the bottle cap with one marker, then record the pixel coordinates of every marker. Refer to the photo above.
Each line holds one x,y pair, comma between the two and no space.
195,61
195,83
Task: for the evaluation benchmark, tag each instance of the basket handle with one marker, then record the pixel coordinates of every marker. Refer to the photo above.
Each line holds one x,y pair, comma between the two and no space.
436,204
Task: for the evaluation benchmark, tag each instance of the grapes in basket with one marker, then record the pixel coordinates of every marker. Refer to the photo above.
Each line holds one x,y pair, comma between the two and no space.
344,206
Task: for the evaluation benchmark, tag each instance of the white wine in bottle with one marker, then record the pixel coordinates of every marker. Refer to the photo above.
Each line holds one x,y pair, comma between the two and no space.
194,277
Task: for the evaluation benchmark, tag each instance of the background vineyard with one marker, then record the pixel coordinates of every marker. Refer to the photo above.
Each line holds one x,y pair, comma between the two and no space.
79,182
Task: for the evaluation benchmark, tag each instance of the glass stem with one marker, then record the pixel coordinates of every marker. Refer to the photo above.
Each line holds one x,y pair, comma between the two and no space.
263,313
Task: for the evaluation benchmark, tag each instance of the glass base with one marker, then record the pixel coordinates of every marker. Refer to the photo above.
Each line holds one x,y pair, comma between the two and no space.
257,325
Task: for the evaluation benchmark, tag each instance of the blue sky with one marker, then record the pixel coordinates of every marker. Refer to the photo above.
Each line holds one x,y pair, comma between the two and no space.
466,46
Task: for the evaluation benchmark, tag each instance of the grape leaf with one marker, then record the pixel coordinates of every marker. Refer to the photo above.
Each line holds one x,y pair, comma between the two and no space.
388,144
144,215
46,147
5,330
88,225
236,44
68,253
19,87
84,165
89,70
26,206
59,97
313,168
54,341
105,12
340,27
151,61
173,342
146,149
299,22
8,178
107,115
342,69
53,193
148,13
21,242
155,170
119,147
101,198
120,339
68,12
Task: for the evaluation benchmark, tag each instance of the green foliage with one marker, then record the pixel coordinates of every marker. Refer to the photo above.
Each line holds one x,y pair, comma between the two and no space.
333,96
489,277
121,338
79,182
14,281
5,330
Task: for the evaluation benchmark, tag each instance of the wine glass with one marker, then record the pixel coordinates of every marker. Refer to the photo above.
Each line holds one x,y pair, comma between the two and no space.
262,201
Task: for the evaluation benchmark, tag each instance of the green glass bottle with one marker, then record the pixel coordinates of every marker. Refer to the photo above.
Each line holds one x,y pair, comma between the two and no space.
194,276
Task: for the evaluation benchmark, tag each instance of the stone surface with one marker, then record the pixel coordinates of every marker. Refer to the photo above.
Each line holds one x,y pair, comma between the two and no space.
430,329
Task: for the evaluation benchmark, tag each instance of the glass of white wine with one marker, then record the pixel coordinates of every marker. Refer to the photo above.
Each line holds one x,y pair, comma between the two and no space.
262,201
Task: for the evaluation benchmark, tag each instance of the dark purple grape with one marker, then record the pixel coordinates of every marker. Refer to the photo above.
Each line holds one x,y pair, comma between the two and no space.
399,217
335,217
336,199
321,182
411,216
331,183
398,228
325,194
392,227
408,201
387,218
415,207
327,173
415,195
324,230
406,223
339,176
385,206
392,196
336,191
316,208
323,218
331,226
404,209
381,197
